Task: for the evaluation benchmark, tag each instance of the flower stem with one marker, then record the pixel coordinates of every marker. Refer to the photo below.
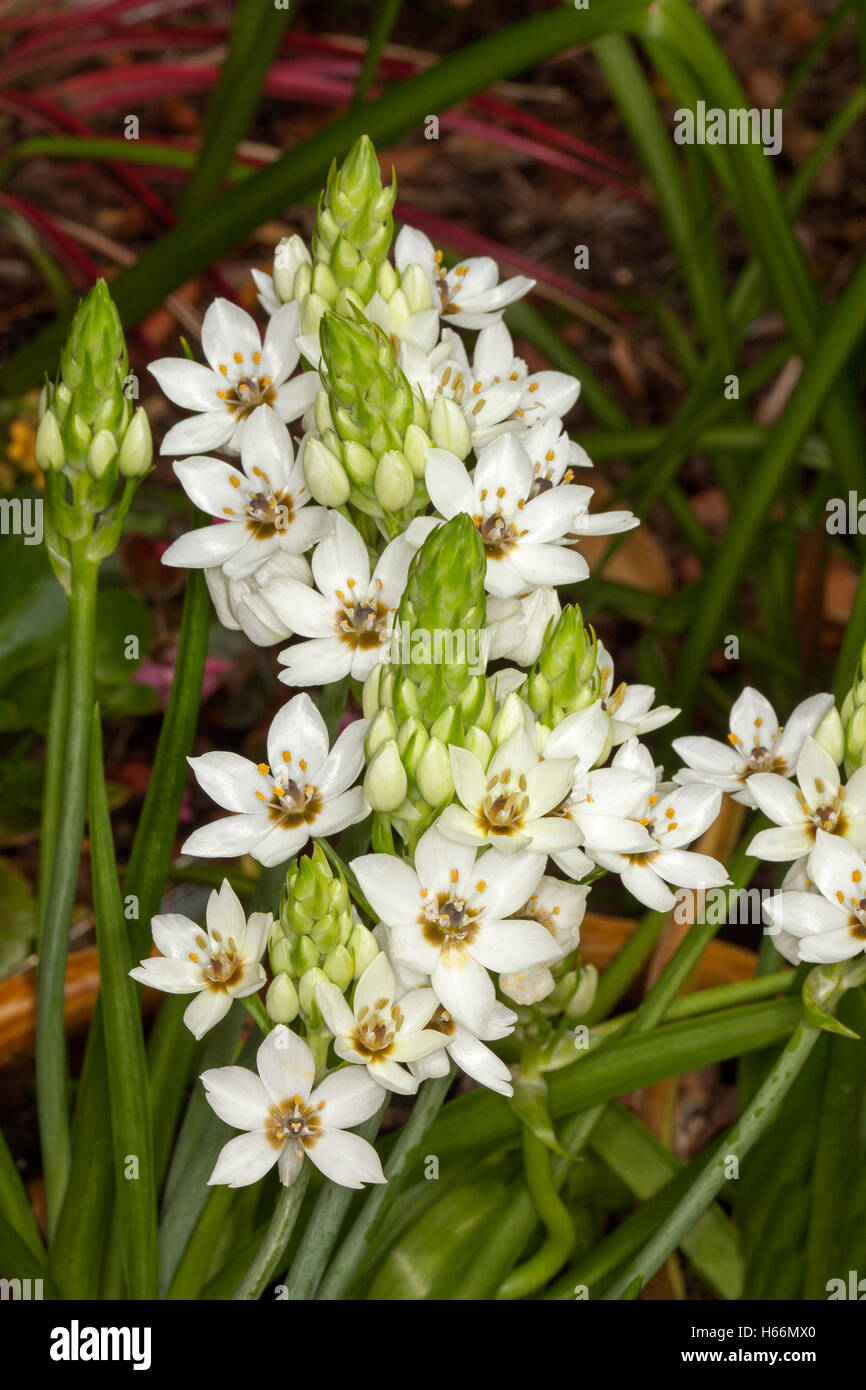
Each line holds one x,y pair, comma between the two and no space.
379,1199
51,1070
736,1144
550,1257
256,1009
324,1226
271,1251
54,781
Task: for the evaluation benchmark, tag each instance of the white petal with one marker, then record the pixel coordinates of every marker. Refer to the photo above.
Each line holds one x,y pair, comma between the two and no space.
390,886
237,1095
206,1010
298,732
227,329
244,1160
350,1095
464,987
346,1158
230,780
286,1065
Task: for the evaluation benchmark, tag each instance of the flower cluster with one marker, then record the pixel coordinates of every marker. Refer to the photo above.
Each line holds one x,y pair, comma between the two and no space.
400,513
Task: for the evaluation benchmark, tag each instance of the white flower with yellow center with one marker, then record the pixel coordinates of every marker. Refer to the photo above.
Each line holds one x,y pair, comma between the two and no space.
217,963
285,1119
302,790
467,1050
381,1030
559,907
524,537
819,802
470,295
447,918
348,617
510,804
757,742
242,373
829,924
672,819
263,506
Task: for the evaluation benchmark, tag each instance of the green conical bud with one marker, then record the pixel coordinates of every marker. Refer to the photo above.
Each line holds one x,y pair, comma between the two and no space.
281,1000
370,398
353,223
48,448
565,678
136,451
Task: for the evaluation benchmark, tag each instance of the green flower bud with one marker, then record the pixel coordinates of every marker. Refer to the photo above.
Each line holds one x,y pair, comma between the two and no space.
411,741
568,665
449,428
339,967
136,451
77,436
307,986
830,734
386,784
416,287
323,284
415,447
324,422
305,955
382,729
326,478
364,948
281,1000
360,463
102,452
289,255
479,743
48,447
433,773
508,718
387,281
853,716
394,482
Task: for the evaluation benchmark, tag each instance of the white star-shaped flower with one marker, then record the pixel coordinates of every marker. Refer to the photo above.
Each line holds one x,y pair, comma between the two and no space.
447,918
523,537
820,803
509,803
217,963
263,509
470,295
828,924
284,1118
629,707
348,617
382,1028
242,373
672,819
302,790
757,742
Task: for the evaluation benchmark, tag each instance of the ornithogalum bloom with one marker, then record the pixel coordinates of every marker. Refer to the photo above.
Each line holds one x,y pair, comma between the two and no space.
467,1050
523,536
470,295
828,924
818,802
382,1028
217,963
242,373
348,616
509,803
757,742
302,790
284,1118
672,819
263,506
447,918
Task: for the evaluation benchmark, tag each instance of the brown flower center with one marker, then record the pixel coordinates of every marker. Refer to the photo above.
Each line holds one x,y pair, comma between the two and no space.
293,1121
448,921
292,805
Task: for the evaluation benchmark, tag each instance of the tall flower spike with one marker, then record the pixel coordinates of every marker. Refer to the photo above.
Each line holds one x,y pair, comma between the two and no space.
434,692
89,433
